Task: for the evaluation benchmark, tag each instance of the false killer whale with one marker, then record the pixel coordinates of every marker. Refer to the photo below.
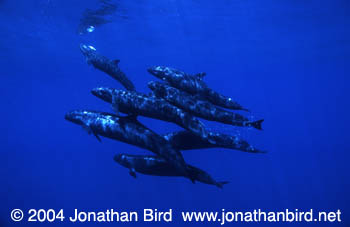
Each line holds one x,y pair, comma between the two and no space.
157,166
105,65
194,85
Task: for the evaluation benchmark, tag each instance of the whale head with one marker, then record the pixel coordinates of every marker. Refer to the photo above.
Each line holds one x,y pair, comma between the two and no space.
121,159
80,117
170,75
161,72
103,93
157,88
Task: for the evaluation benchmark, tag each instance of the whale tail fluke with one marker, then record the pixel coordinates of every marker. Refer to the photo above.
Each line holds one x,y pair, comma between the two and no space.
221,183
256,124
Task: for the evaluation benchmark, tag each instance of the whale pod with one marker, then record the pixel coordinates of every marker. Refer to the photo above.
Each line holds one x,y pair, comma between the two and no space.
135,103
198,107
127,130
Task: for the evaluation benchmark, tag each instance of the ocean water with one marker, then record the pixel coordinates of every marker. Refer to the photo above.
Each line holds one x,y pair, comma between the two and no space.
287,61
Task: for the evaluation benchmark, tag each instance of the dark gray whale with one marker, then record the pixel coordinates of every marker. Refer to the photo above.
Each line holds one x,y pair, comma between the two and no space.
105,65
198,107
135,103
157,166
185,140
194,85
127,130
97,17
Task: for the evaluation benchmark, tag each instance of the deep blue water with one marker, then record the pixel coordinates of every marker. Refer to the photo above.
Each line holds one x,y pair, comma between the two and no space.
287,61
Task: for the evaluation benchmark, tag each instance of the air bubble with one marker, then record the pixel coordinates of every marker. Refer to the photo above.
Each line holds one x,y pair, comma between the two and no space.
90,28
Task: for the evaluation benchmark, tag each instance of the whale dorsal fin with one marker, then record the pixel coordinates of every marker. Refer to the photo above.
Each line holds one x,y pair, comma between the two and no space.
200,75
97,136
90,130
116,61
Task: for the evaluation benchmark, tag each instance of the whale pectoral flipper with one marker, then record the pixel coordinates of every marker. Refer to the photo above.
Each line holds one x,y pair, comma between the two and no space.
97,137
89,131
132,172
191,175
115,106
